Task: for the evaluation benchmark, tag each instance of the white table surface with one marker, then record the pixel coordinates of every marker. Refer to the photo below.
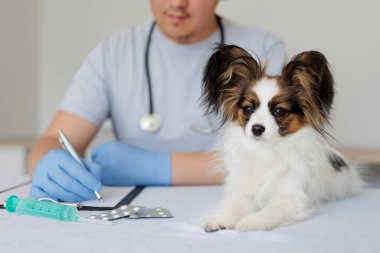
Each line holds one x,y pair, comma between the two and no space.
350,225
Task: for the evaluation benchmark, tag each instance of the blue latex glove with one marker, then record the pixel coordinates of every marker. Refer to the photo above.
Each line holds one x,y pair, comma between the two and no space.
124,164
59,176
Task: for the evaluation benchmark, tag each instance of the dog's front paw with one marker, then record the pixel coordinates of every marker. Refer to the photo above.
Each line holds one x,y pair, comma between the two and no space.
215,223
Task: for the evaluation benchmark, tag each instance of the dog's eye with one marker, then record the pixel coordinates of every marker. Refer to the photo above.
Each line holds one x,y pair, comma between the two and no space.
279,112
248,110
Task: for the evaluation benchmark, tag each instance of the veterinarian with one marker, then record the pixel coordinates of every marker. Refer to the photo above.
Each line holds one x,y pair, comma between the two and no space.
148,81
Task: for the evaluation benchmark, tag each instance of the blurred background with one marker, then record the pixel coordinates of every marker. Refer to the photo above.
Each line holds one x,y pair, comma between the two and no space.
43,42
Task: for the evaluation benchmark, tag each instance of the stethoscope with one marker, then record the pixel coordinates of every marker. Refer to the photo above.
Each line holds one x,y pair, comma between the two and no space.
151,121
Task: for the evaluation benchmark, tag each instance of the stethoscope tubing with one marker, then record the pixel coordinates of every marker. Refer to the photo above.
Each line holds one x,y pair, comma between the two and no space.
147,70
151,115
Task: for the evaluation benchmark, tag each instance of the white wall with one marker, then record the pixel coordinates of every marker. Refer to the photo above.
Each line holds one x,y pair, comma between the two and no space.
18,69
346,31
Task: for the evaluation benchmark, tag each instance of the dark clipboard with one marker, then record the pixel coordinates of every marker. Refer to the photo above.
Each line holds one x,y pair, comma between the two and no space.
124,201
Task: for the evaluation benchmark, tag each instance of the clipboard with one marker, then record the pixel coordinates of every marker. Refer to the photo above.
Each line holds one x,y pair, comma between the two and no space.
21,189
124,201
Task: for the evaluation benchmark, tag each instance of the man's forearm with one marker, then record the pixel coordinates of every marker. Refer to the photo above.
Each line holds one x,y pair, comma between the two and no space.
196,169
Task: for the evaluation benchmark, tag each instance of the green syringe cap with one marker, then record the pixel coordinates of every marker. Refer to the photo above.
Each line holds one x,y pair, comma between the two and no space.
11,203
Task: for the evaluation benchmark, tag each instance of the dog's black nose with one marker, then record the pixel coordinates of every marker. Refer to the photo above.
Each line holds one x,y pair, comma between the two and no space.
258,130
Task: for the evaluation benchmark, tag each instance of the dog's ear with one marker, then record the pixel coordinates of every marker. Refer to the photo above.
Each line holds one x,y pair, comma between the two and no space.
309,75
227,73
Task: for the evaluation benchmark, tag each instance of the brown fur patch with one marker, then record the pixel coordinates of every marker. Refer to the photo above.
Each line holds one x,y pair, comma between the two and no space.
309,77
228,73
294,119
249,98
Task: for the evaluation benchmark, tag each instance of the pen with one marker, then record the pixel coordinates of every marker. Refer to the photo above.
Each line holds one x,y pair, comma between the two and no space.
69,148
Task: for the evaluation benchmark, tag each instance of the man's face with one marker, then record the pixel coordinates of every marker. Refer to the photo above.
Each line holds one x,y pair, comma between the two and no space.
185,21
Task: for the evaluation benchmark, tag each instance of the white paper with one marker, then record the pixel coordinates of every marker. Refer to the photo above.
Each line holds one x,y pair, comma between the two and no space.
111,195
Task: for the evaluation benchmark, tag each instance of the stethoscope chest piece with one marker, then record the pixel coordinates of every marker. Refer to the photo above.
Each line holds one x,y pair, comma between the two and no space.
150,122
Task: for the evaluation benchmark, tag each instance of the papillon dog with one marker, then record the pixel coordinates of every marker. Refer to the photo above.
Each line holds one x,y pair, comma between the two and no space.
274,140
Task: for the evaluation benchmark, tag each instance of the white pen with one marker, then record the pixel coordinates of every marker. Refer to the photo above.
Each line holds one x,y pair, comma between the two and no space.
69,148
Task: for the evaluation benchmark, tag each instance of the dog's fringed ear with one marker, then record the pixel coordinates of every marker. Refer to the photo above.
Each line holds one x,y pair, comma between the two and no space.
227,73
309,74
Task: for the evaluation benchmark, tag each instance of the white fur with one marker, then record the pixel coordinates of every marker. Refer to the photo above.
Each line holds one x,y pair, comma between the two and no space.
279,180
266,89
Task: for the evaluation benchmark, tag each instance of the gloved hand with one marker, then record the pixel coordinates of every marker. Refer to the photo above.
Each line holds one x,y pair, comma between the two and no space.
124,164
58,176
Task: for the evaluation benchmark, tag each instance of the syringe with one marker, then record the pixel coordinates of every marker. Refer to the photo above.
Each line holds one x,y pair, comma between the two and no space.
41,208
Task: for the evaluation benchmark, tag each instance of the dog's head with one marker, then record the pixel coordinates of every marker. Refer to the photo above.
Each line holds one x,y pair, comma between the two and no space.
266,107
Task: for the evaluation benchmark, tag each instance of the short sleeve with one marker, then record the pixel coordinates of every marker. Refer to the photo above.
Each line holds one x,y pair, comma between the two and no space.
87,94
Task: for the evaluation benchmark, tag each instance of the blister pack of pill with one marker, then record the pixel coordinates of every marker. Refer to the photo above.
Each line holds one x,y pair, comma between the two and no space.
151,213
133,212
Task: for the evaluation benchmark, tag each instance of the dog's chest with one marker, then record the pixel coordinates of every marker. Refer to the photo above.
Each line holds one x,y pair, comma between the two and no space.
261,178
